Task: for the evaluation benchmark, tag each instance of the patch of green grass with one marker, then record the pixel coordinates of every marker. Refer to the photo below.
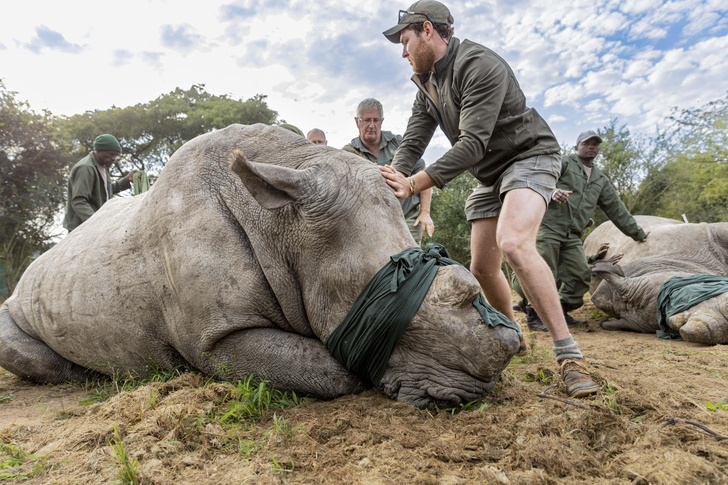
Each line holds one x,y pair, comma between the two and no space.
243,448
281,431
18,465
532,356
7,397
279,468
717,405
252,397
716,354
126,381
676,352
609,399
720,375
128,473
597,315
544,376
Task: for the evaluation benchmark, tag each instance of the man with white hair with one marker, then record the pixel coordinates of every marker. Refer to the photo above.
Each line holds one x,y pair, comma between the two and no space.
379,147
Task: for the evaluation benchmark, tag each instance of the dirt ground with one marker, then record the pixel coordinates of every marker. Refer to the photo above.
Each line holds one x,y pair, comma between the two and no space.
512,436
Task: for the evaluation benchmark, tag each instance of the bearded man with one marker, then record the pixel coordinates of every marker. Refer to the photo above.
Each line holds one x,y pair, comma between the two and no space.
473,95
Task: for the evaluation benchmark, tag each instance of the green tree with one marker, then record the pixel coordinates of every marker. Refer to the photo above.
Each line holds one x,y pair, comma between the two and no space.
151,132
688,168
32,179
452,229
620,158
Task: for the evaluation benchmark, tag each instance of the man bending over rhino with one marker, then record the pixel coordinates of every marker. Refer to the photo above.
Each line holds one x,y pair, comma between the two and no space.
472,94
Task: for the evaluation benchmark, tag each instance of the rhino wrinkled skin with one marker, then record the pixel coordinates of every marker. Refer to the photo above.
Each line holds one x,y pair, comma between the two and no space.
629,290
245,272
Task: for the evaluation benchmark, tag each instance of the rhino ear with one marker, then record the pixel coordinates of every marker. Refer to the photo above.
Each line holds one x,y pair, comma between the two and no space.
605,268
272,186
612,275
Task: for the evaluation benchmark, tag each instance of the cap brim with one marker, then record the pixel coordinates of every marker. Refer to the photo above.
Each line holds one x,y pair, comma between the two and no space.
595,136
393,34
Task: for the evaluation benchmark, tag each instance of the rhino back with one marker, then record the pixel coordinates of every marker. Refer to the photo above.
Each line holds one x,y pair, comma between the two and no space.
160,276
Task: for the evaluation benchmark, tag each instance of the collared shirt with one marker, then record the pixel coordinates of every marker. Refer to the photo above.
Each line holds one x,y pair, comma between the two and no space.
589,192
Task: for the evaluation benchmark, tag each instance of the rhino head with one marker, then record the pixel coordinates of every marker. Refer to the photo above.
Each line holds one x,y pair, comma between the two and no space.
633,300
705,323
344,224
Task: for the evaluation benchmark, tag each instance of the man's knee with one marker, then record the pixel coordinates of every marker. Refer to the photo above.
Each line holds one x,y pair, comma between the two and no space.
517,250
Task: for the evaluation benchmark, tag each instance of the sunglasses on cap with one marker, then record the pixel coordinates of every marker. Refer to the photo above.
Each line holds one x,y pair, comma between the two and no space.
402,13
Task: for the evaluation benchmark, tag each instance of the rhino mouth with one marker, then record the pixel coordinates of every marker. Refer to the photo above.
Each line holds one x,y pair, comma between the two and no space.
435,389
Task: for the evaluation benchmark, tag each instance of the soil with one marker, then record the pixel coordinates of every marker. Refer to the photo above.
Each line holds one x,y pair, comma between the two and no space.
623,434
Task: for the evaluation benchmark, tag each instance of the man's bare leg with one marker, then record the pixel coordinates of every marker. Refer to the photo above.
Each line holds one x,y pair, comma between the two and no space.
486,266
518,226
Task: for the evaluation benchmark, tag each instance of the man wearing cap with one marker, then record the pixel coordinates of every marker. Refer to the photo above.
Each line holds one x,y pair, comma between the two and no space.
581,188
472,94
379,147
317,137
89,185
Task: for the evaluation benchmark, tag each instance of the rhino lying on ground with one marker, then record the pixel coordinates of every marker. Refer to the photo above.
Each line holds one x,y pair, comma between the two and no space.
629,291
246,273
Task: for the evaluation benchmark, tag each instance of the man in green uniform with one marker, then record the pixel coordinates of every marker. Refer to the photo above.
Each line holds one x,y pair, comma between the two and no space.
379,147
472,94
581,188
90,185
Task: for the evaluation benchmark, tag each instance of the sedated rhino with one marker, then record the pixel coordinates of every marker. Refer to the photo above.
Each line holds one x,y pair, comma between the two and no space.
629,290
246,273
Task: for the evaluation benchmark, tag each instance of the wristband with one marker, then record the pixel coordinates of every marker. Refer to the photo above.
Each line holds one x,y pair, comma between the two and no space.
412,185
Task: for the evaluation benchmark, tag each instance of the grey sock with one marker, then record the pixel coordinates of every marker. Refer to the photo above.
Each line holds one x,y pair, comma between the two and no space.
566,348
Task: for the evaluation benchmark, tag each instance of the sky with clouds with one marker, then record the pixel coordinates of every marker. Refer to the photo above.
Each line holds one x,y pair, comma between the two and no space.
580,63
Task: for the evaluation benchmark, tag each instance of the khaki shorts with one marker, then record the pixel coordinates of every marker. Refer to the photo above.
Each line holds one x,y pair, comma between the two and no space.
538,173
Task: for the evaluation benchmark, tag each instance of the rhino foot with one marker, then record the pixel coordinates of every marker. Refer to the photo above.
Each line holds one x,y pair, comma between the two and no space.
32,359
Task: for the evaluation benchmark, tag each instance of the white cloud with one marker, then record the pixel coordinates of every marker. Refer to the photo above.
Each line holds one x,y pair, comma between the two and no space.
581,62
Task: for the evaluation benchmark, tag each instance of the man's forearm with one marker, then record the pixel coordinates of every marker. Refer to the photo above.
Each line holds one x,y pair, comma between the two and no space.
422,182
425,201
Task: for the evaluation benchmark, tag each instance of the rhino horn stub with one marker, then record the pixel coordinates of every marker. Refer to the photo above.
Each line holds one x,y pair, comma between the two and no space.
453,286
272,186
705,329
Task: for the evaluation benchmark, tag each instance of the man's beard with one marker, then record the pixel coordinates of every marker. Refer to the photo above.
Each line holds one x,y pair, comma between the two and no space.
423,60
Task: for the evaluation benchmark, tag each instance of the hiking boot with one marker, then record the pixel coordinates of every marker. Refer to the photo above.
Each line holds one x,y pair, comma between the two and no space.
577,378
570,321
520,306
533,321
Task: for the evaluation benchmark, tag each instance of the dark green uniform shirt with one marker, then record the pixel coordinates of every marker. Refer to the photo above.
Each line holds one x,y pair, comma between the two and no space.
571,217
86,192
387,147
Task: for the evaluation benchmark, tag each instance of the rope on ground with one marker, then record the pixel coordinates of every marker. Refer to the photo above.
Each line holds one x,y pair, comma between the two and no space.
698,425
560,399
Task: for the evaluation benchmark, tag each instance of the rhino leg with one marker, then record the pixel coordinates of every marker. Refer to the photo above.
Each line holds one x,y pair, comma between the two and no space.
704,330
620,324
289,361
31,359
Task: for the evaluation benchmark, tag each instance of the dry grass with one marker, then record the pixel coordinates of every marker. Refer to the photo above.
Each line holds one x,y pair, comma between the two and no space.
174,432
